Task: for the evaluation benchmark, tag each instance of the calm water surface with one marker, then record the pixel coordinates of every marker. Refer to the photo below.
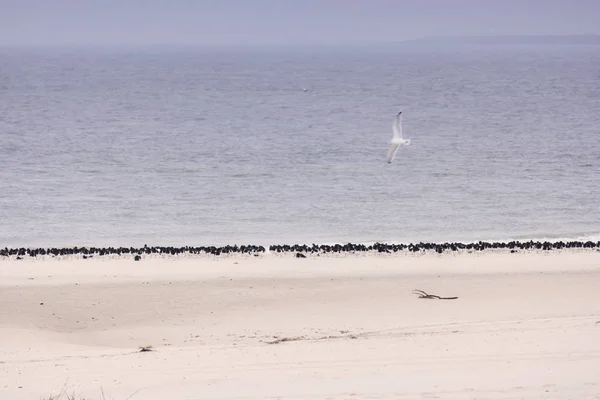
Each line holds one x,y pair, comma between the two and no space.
207,146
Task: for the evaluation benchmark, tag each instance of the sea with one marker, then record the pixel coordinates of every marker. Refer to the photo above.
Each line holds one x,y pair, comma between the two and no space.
175,146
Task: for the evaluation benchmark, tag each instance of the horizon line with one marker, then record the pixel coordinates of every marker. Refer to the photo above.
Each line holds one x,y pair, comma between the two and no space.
427,38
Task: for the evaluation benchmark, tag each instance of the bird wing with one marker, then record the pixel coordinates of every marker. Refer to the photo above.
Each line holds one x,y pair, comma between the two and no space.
397,126
392,152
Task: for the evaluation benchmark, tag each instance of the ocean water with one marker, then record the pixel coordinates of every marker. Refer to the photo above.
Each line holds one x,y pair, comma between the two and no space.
202,146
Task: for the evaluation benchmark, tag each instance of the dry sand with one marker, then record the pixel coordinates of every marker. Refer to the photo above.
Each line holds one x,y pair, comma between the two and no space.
525,326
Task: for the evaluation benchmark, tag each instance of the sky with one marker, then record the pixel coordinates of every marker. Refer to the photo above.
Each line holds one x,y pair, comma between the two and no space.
283,22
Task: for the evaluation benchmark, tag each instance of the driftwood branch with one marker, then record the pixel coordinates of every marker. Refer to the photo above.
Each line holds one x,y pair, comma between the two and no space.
423,295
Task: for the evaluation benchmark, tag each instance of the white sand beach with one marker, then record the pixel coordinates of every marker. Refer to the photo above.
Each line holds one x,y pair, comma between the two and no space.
524,326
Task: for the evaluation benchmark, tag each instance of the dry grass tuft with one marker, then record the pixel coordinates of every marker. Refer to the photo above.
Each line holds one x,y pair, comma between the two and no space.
64,396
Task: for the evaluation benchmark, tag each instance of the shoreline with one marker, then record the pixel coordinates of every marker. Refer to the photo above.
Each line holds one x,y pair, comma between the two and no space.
113,269
301,251
235,257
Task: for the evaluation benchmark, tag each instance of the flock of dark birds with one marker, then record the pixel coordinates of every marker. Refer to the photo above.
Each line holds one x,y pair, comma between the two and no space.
300,250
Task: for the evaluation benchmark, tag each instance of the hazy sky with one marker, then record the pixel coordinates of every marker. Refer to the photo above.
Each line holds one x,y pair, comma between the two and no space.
284,21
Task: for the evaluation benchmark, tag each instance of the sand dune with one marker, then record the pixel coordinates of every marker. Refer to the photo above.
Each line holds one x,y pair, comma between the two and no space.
524,326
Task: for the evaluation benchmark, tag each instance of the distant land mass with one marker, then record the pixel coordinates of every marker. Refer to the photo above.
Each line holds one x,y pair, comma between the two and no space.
591,39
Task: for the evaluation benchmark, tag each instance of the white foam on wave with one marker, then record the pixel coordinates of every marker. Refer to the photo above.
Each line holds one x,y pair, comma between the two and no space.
591,237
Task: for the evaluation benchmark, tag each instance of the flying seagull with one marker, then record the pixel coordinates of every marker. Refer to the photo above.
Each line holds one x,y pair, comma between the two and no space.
397,139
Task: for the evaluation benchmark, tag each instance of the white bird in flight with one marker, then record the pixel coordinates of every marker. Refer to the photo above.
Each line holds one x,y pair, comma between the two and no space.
397,139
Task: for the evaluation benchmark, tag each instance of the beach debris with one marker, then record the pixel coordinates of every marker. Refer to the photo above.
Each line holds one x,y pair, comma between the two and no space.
300,255
344,335
145,348
137,258
330,337
286,339
423,295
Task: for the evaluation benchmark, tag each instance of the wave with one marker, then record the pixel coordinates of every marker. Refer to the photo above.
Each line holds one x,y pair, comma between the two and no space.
551,238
